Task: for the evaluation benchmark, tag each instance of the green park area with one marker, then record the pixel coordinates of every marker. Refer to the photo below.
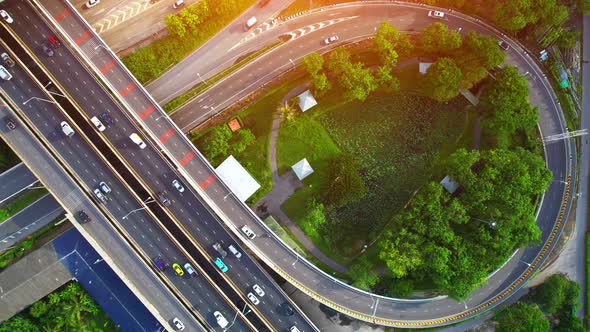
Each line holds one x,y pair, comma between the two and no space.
69,308
381,139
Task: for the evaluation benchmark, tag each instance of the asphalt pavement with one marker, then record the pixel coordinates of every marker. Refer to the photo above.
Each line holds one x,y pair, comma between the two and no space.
149,166
120,257
15,180
29,220
221,51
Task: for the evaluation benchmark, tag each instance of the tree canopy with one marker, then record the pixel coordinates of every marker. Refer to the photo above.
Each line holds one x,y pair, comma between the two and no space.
442,79
448,238
521,317
557,294
437,39
506,104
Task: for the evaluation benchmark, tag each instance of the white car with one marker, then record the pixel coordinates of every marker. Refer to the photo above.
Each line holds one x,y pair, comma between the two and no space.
176,184
100,196
293,329
220,319
330,39
258,290
67,129
98,124
104,187
436,14
137,140
253,298
248,231
6,16
178,324
92,3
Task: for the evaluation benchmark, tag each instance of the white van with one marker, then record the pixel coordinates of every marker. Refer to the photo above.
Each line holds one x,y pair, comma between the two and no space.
5,74
250,23
220,319
137,140
234,251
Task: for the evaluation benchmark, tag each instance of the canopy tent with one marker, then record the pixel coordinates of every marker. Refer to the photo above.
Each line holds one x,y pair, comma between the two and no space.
302,169
449,184
306,101
237,178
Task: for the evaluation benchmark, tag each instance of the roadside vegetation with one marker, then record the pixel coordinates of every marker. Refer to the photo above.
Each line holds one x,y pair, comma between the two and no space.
550,306
381,139
21,202
191,28
70,308
32,242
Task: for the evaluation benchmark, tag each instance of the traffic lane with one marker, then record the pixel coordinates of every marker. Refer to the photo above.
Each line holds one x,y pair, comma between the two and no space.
69,192
29,220
243,271
91,172
143,167
87,101
173,82
15,180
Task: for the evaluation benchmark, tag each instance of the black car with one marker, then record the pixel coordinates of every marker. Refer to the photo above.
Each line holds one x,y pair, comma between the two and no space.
9,122
83,217
504,45
287,309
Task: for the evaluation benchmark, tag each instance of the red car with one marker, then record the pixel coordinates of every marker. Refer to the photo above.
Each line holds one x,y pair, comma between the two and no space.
53,41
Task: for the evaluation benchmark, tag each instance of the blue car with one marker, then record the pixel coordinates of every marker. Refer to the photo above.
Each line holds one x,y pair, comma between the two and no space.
106,118
220,264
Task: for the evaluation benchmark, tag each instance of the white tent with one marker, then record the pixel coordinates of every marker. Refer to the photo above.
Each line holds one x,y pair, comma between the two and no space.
449,184
302,169
237,178
306,101
423,67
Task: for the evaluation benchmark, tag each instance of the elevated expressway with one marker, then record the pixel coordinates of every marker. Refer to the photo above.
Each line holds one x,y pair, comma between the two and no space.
363,18
186,221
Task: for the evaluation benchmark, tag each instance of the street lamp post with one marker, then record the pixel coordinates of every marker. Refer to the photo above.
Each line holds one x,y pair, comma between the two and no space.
147,201
236,317
490,223
202,81
37,98
296,260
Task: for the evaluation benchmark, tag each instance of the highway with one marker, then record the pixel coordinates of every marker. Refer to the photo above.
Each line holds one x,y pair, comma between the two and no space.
74,152
15,180
356,22
358,304
80,155
191,217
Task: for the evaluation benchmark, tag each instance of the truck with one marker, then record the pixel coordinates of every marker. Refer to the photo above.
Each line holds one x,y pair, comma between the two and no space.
219,249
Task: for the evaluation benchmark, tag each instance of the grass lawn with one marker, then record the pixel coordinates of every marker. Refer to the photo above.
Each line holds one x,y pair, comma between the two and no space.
258,118
398,140
21,203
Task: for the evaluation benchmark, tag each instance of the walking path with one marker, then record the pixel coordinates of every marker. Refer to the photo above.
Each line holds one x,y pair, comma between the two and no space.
284,186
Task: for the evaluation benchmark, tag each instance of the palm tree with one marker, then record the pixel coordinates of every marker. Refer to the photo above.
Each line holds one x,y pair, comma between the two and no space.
287,111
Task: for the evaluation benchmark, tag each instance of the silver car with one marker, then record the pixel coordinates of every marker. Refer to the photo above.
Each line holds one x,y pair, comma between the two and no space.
176,184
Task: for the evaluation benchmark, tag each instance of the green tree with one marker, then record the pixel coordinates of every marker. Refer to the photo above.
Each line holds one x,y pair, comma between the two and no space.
38,309
437,39
585,6
316,215
506,104
359,82
343,184
401,288
389,40
386,80
442,79
241,140
401,255
175,25
339,61
568,38
478,54
18,323
313,63
569,323
521,317
513,15
216,142
557,294
320,84
362,274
